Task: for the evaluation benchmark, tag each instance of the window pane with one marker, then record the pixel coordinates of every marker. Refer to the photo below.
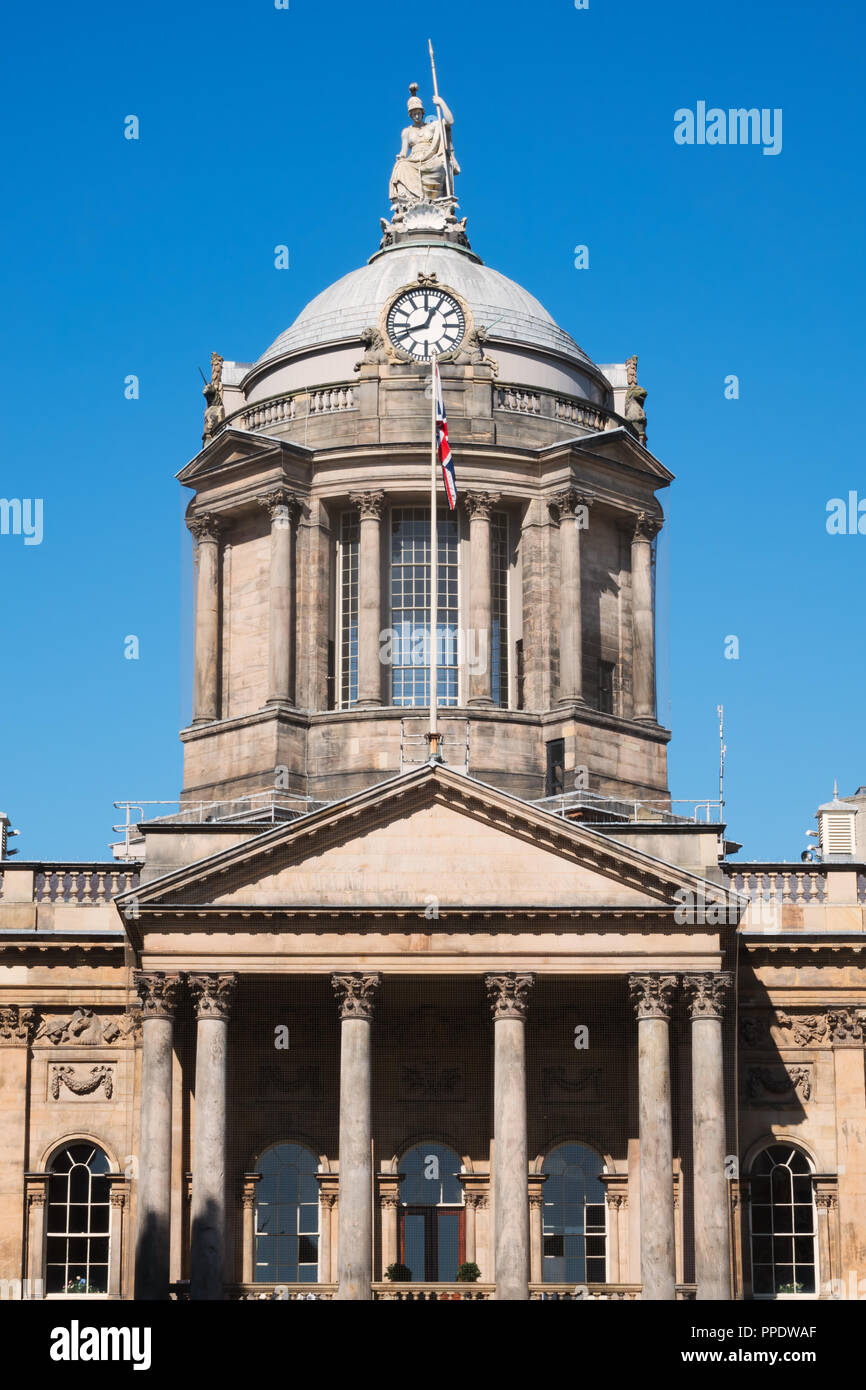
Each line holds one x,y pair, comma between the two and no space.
573,1205
784,1264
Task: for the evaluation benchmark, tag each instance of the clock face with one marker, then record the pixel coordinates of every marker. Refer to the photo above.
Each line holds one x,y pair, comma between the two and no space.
424,322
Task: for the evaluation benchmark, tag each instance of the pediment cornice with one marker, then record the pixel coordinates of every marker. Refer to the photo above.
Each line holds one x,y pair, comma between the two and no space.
200,886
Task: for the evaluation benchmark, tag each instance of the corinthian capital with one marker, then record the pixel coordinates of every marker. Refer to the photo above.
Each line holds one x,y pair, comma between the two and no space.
652,995
571,502
204,527
508,994
16,1023
705,994
282,505
212,994
159,993
480,504
355,993
646,526
371,504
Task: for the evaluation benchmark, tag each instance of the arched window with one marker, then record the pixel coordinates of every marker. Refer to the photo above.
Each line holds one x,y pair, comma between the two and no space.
431,1215
575,1217
77,1235
287,1217
782,1216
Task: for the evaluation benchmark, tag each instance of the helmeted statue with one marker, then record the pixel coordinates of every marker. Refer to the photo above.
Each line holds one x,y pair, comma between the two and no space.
420,174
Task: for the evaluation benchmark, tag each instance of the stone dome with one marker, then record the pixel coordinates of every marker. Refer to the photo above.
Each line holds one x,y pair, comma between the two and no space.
345,308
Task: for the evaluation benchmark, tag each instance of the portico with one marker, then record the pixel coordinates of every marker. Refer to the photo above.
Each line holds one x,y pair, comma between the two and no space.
257,937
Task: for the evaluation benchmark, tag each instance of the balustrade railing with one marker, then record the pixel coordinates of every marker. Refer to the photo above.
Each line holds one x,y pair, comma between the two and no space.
331,400
85,884
569,409
280,410
550,1293
269,1293
796,886
520,402
432,1293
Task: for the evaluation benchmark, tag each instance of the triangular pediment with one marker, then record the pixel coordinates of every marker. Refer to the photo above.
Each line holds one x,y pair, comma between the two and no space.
429,836
231,448
619,446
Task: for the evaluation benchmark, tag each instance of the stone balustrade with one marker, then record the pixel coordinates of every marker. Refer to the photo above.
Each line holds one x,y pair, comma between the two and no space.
83,884
626,1293
571,410
432,1293
254,1293
798,886
331,400
518,401
339,397
278,410
282,410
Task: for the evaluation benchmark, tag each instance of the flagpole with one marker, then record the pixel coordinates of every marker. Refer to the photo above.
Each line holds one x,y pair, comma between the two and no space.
433,736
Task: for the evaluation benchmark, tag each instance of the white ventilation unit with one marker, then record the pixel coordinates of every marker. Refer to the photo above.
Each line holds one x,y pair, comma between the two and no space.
836,829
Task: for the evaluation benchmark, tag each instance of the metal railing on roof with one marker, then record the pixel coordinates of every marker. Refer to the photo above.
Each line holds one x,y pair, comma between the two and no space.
590,807
259,808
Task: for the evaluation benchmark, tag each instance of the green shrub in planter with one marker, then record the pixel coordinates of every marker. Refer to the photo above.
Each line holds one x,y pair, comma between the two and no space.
468,1273
399,1274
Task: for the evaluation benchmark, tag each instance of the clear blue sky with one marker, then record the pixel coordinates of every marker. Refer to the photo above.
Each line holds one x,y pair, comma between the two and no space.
262,126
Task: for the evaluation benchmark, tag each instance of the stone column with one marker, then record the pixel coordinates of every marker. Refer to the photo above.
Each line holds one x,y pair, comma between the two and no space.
389,1206
643,621
652,996
283,508
16,1028
206,528
572,508
826,1207
479,648
508,1002
847,1028
536,1226
371,505
328,1203
36,1193
118,1201
616,1197
212,995
248,1234
706,1003
355,993
159,995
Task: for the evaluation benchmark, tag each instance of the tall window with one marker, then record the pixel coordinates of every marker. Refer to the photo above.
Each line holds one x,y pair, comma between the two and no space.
782,1211
431,1215
575,1217
76,1248
350,530
287,1217
554,780
606,671
410,607
499,608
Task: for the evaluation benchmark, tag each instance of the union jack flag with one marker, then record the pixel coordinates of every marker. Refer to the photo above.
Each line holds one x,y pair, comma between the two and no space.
443,448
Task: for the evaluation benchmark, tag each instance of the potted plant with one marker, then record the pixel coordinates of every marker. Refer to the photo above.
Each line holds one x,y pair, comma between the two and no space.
398,1274
468,1273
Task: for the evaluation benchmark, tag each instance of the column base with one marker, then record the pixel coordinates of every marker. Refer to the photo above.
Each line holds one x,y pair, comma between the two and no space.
368,704
481,702
280,702
571,702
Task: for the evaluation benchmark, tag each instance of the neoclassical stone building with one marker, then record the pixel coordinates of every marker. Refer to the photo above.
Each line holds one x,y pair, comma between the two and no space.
350,1008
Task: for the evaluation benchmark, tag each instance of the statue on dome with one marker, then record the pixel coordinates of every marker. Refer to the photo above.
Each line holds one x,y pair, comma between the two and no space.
213,393
426,165
634,401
